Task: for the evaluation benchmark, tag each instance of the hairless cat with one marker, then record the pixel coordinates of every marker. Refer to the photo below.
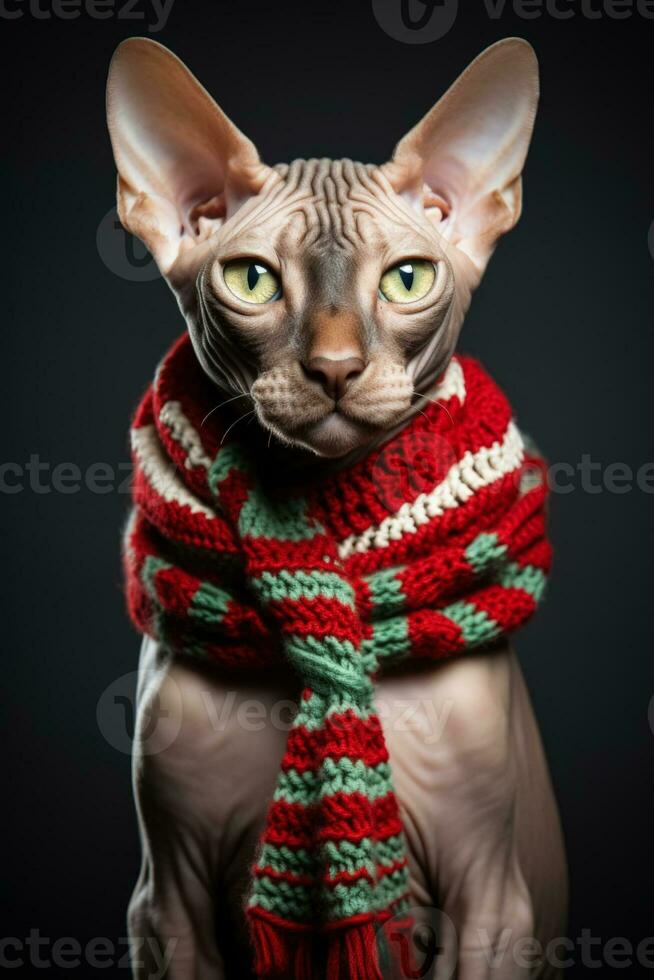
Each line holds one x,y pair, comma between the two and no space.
327,297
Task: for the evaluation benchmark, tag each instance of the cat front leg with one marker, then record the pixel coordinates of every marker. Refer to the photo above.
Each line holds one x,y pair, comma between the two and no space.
172,909
480,816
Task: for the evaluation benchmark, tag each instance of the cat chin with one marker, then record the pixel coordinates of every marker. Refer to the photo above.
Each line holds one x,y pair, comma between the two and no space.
335,435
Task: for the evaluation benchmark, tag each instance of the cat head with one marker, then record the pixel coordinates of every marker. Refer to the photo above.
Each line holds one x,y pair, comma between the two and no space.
327,295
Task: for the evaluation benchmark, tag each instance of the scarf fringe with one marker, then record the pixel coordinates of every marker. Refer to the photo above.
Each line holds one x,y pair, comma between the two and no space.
352,952
272,947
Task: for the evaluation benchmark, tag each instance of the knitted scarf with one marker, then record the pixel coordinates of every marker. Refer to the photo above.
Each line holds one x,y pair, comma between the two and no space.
432,545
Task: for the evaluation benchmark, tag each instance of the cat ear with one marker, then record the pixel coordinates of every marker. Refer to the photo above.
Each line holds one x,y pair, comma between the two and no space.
465,157
183,166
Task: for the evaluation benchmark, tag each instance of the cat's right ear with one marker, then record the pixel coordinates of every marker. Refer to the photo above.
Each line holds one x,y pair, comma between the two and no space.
183,166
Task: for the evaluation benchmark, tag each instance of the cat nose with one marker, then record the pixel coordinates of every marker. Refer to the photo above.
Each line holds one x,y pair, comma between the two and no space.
335,375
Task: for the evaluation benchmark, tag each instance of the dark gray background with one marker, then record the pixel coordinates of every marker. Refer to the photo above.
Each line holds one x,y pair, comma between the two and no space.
563,321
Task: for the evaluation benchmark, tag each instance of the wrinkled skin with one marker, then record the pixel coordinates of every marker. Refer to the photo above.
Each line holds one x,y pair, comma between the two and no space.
484,838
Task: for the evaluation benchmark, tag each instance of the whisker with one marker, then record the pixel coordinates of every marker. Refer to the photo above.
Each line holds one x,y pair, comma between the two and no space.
435,401
226,402
230,427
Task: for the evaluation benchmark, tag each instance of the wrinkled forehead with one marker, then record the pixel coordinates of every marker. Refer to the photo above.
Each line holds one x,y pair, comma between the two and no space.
329,208
330,212
334,181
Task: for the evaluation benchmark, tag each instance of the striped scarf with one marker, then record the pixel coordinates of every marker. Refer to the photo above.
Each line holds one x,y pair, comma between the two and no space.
432,545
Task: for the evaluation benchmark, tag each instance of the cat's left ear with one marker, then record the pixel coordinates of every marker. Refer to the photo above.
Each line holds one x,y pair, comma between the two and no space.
469,150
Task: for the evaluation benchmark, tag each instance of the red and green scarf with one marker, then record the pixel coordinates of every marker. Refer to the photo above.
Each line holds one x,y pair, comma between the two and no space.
432,545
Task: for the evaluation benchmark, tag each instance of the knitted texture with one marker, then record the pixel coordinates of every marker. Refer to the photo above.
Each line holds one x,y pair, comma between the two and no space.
432,545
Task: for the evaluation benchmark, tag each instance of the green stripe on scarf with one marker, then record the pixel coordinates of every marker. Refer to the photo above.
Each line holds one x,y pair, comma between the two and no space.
277,586
230,457
476,627
291,901
286,859
484,552
390,639
209,604
527,578
348,856
284,520
386,591
341,775
360,896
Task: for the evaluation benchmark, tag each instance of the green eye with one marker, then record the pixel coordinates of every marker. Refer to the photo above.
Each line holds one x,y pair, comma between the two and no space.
251,281
408,281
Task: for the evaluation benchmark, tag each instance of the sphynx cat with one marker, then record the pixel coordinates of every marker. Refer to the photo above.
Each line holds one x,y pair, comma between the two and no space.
326,297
